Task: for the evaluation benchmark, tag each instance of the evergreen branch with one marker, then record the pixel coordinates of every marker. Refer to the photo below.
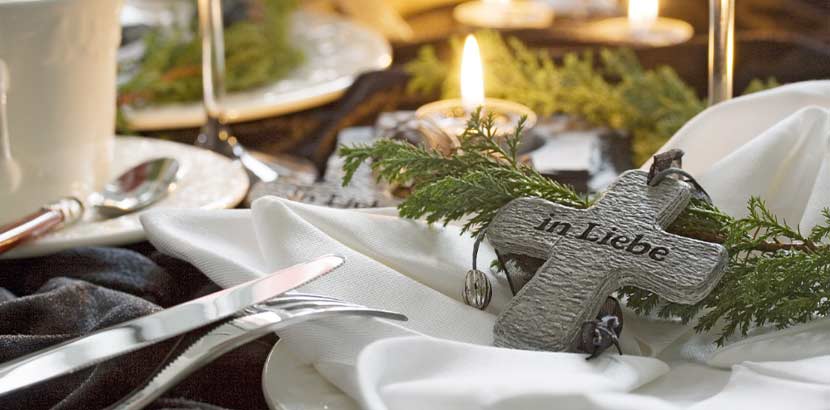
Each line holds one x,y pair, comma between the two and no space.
776,275
479,177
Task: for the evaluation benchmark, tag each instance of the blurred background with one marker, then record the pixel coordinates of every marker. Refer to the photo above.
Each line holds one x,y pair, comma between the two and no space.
290,62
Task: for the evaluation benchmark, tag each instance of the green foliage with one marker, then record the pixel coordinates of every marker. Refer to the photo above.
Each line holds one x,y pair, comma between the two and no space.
776,275
609,88
482,175
257,51
760,85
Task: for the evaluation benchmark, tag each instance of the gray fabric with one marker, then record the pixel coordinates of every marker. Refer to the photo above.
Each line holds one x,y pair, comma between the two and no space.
47,300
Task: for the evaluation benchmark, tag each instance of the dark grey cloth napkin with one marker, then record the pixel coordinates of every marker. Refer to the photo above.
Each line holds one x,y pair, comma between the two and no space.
44,301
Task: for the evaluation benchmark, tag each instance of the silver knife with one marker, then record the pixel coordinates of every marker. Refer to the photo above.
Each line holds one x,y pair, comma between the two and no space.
132,335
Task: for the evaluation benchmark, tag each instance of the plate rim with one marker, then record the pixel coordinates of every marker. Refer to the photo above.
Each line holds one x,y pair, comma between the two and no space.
128,235
269,362
326,91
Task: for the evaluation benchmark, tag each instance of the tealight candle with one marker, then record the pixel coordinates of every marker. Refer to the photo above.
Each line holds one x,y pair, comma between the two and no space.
451,115
504,14
642,26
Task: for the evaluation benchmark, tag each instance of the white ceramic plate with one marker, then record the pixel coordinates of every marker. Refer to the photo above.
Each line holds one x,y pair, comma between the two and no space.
336,51
289,384
205,180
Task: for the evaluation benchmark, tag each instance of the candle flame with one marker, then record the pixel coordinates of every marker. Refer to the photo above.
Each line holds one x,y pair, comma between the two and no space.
642,13
472,75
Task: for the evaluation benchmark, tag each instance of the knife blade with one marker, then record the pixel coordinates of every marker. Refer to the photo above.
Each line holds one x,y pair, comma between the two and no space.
134,334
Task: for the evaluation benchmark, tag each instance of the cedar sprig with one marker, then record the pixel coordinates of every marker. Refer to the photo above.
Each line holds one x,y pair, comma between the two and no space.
480,176
776,275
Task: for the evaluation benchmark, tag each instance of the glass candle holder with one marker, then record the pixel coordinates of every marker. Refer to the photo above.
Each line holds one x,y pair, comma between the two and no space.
658,33
516,14
450,117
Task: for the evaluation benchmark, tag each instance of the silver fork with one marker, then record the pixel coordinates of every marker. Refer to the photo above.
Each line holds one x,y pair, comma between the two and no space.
253,323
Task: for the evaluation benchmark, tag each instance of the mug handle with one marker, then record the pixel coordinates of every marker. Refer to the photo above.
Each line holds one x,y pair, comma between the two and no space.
10,171
5,141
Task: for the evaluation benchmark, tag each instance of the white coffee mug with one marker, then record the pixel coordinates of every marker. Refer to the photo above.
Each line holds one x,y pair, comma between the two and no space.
61,58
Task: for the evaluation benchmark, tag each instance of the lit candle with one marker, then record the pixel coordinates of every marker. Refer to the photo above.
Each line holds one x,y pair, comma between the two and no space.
451,116
642,26
472,76
504,14
642,14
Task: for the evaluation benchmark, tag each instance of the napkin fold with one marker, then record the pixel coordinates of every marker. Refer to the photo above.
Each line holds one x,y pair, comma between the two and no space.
445,360
457,374
773,144
391,263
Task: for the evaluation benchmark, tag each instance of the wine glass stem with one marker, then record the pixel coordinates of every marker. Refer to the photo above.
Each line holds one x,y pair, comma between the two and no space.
721,49
214,134
213,65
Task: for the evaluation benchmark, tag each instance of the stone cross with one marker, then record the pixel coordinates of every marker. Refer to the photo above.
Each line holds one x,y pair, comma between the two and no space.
590,253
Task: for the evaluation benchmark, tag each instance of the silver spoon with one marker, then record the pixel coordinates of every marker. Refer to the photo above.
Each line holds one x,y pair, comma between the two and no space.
135,189
139,187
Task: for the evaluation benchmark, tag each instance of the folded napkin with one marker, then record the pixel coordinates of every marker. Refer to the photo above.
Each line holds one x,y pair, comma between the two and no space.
773,144
445,359
460,376
456,375
391,263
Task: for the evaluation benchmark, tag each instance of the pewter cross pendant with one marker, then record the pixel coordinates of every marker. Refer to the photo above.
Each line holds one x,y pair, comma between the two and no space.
592,252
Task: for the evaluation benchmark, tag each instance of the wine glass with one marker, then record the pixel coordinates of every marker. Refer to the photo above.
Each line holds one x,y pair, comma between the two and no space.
215,134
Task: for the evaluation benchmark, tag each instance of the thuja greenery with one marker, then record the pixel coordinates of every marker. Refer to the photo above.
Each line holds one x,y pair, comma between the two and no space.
776,275
607,88
258,50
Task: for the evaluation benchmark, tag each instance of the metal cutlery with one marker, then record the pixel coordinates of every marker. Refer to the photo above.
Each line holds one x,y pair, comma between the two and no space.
126,337
48,218
133,190
137,188
261,319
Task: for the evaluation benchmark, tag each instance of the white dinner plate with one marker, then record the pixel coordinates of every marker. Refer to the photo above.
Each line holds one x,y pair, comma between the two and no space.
336,52
206,180
289,384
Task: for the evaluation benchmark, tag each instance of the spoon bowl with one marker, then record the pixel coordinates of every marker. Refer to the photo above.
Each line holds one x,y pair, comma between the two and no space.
137,188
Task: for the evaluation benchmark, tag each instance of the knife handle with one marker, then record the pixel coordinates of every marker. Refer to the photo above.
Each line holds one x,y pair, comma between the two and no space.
57,214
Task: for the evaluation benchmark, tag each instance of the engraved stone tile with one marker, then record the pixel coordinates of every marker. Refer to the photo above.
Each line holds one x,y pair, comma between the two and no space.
591,252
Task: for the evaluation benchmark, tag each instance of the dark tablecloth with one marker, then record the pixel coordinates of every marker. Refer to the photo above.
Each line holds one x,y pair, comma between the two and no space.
44,301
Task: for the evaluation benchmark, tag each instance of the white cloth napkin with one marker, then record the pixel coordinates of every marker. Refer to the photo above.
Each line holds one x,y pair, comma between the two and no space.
455,370
444,360
773,144
391,263
460,376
